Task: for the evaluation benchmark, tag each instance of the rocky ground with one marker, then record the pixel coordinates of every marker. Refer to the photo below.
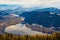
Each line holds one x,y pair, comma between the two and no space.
40,28
9,20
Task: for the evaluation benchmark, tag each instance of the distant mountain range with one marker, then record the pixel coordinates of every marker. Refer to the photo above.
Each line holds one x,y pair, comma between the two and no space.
45,16
10,8
51,9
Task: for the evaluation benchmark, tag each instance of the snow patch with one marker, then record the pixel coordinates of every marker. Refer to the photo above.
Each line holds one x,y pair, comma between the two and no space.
21,29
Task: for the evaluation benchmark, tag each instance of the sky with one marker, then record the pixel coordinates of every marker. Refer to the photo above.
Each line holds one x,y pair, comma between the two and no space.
29,3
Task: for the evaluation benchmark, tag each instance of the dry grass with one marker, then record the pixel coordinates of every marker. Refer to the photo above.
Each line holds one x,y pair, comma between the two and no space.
54,36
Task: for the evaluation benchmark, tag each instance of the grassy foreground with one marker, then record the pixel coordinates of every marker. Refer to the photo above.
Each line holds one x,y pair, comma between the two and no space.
54,36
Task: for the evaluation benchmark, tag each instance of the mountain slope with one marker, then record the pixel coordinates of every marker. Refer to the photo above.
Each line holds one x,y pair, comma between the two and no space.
47,17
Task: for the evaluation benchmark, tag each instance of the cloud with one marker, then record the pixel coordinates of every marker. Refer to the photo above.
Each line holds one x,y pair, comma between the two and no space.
58,14
32,3
21,29
14,15
7,7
